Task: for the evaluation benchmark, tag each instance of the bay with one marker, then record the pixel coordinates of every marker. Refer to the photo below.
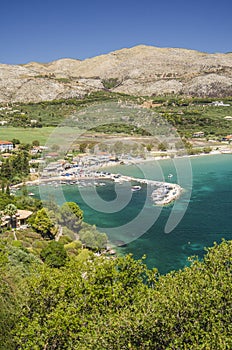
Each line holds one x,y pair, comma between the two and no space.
206,220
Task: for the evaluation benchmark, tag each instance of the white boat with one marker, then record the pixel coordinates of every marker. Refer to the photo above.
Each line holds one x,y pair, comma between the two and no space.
135,188
170,175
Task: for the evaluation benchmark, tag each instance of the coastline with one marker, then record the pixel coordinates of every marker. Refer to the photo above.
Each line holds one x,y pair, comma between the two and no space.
175,189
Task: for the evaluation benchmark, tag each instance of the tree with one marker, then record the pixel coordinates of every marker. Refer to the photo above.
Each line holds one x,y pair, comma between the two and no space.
92,238
83,295
35,143
5,200
7,188
98,303
1,215
82,147
15,264
162,146
149,147
110,83
207,149
15,142
9,300
20,163
54,254
43,224
25,146
71,216
6,169
11,210
3,186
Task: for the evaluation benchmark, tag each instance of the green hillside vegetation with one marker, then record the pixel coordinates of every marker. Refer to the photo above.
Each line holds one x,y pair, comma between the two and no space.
52,113
187,115
49,220
97,303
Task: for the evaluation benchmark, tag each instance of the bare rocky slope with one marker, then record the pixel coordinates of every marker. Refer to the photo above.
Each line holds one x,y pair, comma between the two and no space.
140,70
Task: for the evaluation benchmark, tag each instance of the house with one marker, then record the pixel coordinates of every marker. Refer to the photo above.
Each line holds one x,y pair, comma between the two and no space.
199,134
3,122
6,146
220,104
6,155
17,220
151,104
227,138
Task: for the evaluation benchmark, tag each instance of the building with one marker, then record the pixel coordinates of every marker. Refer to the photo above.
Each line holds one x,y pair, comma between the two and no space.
17,220
220,104
3,122
199,134
227,138
6,146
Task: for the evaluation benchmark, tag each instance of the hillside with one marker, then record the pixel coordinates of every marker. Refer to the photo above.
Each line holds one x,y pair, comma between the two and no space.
140,70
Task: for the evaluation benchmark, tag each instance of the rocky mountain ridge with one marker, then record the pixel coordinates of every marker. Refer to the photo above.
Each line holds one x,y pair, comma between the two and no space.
140,70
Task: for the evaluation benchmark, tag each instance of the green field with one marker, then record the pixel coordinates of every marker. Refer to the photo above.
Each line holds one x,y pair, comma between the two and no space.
186,115
26,135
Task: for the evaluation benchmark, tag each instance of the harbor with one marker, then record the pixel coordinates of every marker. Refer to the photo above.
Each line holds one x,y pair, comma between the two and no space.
91,171
163,193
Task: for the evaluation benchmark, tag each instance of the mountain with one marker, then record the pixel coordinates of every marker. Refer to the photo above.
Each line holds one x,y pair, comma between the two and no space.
140,70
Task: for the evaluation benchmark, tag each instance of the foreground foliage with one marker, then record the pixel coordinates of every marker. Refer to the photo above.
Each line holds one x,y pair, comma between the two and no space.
98,303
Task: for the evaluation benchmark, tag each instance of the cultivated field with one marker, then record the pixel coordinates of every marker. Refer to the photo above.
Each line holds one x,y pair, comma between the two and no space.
26,135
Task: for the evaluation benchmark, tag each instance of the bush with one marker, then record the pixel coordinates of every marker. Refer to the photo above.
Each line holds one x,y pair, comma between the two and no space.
110,83
40,244
73,248
54,254
65,239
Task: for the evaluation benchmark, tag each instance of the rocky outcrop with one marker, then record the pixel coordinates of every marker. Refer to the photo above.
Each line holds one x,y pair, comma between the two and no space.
140,70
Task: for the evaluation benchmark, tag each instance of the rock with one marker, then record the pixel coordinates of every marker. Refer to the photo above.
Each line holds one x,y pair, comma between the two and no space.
140,70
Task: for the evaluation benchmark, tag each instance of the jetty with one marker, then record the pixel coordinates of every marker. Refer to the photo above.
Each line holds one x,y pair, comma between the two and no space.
163,193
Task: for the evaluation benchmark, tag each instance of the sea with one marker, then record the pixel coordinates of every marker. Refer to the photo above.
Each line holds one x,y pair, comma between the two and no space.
165,236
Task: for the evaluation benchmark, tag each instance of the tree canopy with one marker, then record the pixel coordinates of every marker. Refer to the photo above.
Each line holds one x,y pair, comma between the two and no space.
71,215
54,254
98,303
43,224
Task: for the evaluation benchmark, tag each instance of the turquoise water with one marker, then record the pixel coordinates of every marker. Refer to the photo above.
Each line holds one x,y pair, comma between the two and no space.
207,218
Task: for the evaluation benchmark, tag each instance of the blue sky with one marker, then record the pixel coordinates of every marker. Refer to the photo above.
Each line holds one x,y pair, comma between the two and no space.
47,30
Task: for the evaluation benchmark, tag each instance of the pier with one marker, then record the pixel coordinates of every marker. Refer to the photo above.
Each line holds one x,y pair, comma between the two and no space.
163,194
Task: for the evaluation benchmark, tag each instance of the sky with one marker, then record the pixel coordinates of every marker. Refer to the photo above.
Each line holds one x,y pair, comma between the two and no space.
44,31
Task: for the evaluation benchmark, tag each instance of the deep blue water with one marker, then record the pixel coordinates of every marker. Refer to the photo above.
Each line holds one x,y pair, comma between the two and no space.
206,220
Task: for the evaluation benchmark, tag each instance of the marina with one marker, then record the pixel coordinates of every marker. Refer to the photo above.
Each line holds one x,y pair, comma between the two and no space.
163,192
89,171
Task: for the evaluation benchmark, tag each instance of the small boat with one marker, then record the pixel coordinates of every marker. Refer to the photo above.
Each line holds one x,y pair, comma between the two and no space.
135,188
31,194
170,175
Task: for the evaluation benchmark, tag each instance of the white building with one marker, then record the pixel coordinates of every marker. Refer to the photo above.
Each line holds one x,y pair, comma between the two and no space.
6,146
220,104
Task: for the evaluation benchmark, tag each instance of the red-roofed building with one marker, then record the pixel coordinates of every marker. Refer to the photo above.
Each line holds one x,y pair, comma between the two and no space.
6,146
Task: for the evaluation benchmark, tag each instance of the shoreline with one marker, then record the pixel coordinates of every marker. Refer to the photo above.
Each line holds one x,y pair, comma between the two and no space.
175,189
